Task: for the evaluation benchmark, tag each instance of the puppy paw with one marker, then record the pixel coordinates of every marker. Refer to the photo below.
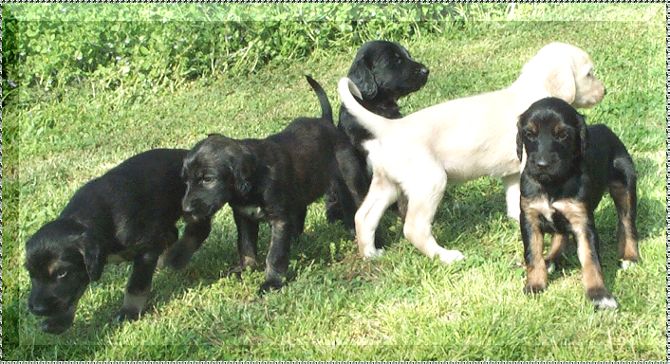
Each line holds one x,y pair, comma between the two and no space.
451,256
602,299
626,264
178,257
56,325
551,266
534,288
373,253
269,285
126,314
605,303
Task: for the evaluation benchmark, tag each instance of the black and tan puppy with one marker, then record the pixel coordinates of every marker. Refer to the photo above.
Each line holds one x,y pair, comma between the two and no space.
272,179
129,213
384,72
568,168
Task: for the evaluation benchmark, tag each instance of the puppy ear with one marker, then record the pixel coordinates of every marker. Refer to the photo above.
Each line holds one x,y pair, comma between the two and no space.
93,257
561,83
243,171
519,139
583,134
362,76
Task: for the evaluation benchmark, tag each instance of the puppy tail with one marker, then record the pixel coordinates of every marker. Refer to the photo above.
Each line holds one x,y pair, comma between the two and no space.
375,124
326,109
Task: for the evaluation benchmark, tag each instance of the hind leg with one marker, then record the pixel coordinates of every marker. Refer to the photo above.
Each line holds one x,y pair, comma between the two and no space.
381,195
424,195
558,243
625,200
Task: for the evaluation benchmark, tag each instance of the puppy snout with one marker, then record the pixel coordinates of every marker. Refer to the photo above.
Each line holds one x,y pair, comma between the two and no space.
39,309
542,162
424,71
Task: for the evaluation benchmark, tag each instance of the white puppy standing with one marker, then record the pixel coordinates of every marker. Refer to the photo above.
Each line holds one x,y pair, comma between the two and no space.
459,140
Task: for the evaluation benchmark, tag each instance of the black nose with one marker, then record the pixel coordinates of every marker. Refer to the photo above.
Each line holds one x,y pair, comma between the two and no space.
424,71
542,163
188,209
38,309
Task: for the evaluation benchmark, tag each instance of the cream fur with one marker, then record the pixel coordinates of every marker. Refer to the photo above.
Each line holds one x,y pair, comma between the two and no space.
460,140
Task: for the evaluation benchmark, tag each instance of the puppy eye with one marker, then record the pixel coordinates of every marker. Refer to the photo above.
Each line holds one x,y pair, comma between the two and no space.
529,134
61,274
208,179
561,135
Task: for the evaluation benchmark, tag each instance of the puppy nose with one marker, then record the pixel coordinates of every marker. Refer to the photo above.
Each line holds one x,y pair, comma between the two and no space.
38,309
187,208
542,163
424,71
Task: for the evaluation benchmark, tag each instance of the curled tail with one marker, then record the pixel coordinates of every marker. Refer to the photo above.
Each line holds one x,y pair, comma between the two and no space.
375,124
326,109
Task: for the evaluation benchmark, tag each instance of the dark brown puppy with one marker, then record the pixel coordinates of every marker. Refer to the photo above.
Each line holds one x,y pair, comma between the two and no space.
568,168
272,179
384,72
129,213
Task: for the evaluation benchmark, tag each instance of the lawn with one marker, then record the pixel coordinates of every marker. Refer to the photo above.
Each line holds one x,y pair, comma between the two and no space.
336,305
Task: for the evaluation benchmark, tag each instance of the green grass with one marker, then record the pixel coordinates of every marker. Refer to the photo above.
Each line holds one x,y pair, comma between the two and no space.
337,306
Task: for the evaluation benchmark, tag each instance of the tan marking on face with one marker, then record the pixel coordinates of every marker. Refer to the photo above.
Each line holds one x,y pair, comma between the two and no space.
52,267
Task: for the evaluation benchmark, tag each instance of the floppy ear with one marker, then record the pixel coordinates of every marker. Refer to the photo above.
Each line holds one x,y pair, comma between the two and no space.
362,76
583,134
519,139
243,170
93,258
560,83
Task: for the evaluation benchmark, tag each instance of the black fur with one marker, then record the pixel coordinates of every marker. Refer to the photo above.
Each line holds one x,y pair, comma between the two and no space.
384,72
131,212
275,179
566,160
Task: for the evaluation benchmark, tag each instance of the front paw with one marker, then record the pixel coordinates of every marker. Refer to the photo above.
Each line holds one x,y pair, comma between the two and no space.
451,256
372,253
602,299
126,314
178,256
269,285
534,288
57,324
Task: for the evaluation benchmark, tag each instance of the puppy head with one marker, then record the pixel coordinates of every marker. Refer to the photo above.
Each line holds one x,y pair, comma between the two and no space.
215,170
61,259
385,70
554,135
567,72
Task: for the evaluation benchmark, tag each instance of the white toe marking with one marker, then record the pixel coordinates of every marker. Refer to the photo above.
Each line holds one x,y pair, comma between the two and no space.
606,303
373,253
551,268
625,264
450,256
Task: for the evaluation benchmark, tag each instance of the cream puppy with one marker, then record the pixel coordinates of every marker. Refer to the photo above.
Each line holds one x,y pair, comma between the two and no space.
457,141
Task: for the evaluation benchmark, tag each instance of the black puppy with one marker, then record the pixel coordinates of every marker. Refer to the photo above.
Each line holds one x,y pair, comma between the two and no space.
568,169
128,213
384,72
275,179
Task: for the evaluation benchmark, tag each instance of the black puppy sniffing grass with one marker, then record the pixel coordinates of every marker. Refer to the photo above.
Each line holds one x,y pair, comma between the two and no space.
272,179
384,72
567,170
129,213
